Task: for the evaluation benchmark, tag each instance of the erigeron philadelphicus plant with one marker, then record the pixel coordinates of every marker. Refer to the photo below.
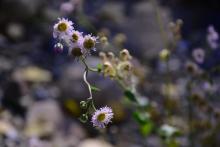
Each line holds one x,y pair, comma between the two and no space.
80,46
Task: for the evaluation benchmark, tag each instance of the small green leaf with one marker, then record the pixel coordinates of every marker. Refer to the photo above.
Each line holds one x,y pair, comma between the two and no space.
130,95
141,117
99,67
94,89
147,128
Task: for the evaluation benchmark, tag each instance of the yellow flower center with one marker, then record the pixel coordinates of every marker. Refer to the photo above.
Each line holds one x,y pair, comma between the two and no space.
88,43
62,27
101,117
75,37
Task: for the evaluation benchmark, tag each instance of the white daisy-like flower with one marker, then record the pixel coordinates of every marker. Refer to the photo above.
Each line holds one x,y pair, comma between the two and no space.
76,36
102,117
76,44
75,50
89,42
63,28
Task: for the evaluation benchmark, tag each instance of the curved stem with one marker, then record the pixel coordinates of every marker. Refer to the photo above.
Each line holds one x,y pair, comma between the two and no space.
87,67
87,83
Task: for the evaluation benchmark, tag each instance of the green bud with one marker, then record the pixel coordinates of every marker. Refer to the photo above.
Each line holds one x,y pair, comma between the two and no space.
83,104
83,118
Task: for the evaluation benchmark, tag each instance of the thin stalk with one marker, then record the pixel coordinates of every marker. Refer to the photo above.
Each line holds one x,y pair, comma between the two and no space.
190,114
87,67
87,83
160,24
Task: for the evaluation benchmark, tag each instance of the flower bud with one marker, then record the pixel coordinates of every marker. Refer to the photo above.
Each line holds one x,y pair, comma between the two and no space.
58,48
164,54
83,105
108,69
104,40
103,56
83,118
125,55
77,52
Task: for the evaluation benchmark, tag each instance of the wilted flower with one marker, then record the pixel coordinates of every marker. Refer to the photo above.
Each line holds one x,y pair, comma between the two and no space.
176,29
125,55
115,67
199,55
212,37
109,70
124,68
63,28
76,51
102,117
192,68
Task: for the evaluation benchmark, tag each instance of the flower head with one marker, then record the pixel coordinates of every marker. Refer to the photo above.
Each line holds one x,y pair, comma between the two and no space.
124,68
76,36
108,69
89,42
199,55
212,37
62,28
102,117
125,55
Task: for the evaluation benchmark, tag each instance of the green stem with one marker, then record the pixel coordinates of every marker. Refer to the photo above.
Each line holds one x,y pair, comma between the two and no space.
86,65
190,114
160,23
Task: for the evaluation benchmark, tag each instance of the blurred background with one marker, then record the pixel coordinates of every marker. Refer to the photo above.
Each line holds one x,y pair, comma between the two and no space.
40,90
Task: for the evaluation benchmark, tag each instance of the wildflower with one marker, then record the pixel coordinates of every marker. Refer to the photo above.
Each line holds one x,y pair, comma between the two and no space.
212,37
104,40
164,54
76,36
63,28
124,68
76,44
76,51
168,130
176,29
89,42
103,56
199,55
125,55
66,7
192,68
111,56
58,48
109,70
102,117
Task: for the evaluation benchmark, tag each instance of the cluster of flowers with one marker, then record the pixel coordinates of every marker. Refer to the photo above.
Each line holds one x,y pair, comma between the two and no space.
115,67
78,45
212,39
